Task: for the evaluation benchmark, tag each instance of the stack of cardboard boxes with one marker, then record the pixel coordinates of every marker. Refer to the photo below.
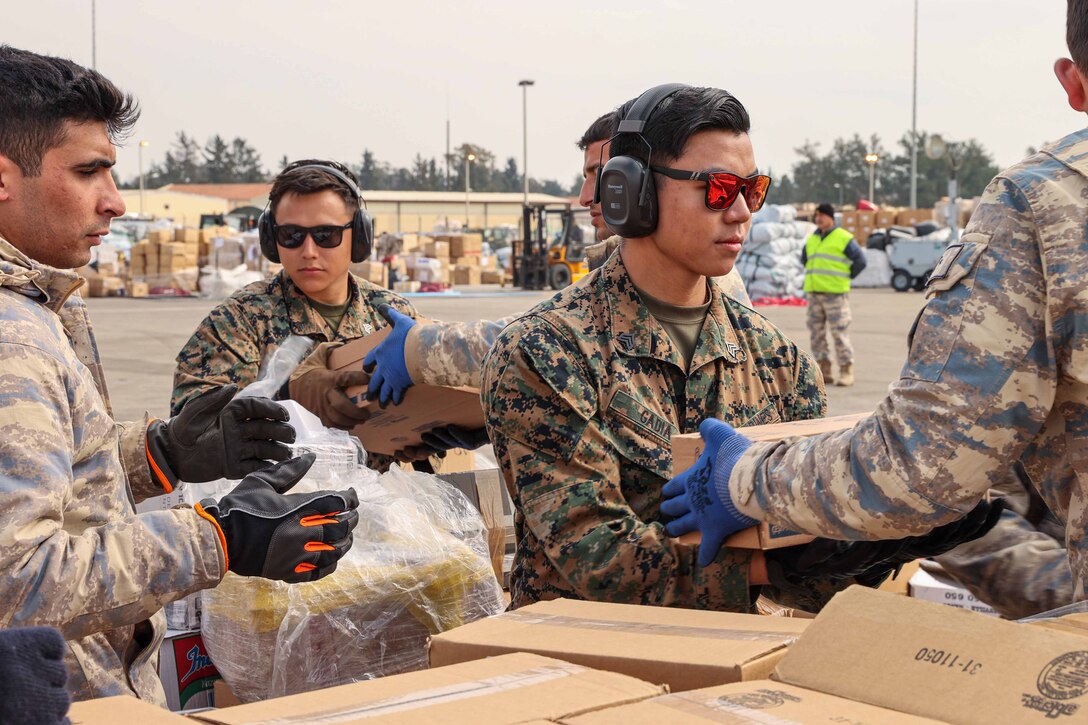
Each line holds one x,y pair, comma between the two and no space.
443,260
862,223
581,663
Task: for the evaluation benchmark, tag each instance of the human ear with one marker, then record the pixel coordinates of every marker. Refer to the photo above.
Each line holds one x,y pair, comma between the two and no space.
1073,81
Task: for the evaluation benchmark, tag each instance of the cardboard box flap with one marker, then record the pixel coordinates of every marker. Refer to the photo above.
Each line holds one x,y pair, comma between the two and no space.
741,703
680,647
939,662
508,689
424,407
122,710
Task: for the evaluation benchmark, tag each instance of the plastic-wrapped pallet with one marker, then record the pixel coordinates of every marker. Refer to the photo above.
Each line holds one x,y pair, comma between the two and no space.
770,260
419,565
877,272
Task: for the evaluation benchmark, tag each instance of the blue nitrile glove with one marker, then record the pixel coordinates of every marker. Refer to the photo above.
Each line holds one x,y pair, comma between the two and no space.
698,498
389,376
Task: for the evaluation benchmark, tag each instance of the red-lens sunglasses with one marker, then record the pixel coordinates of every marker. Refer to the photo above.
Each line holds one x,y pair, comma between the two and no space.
723,187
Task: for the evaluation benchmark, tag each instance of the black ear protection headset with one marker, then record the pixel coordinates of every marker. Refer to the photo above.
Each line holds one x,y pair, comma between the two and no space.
362,227
625,185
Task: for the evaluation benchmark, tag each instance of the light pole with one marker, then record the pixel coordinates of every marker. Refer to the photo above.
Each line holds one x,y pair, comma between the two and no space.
872,158
914,120
839,187
468,157
141,146
525,134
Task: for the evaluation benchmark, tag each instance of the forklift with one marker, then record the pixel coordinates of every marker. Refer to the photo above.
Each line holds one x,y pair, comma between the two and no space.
551,251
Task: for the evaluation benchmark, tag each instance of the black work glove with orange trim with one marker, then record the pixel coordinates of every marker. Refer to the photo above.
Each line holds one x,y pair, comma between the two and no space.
218,436
266,532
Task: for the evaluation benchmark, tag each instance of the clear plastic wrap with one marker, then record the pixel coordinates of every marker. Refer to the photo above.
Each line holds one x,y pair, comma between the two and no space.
419,565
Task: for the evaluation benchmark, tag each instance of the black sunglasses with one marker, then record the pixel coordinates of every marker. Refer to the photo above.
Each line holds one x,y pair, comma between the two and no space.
723,187
326,236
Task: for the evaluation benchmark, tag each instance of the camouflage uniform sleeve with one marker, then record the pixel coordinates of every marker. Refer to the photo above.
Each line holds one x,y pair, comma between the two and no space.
540,404
132,436
972,395
451,353
1021,566
1015,568
732,286
116,573
220,352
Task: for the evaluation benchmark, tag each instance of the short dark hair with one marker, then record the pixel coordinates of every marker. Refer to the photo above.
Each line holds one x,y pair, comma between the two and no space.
1076,32
679,117
294,179
602,129
40,93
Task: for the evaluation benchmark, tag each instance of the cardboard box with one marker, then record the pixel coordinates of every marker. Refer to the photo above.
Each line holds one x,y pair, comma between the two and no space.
761,701
463,275
939,662
514,688
687,447
407,286
885,219
186,671
910,217
373,272
104,286
456,460
223,695
900,583
849,220
493,276
437,250
472,260
122,710
137,289
944,590
424,406
682,648
463,245
160,236
487,492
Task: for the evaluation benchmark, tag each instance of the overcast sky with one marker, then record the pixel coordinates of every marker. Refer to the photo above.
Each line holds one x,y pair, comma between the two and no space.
328,79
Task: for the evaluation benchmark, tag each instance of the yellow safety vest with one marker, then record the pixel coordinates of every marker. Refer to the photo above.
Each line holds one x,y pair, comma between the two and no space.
827,268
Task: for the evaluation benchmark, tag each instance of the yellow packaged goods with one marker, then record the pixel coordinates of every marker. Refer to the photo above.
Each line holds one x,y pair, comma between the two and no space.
420,565
682,648
512,689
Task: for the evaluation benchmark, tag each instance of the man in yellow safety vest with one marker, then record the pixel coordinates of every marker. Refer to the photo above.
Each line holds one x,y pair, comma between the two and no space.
832,257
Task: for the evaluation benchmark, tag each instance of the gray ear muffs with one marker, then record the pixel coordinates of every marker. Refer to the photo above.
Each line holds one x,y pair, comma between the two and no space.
362,226
625,185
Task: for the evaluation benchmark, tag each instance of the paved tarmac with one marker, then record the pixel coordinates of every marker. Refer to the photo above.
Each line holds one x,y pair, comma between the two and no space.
139,339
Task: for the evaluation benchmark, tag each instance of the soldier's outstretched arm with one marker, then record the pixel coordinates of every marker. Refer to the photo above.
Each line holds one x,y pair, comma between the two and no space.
451,353
106,575
540,404
977,387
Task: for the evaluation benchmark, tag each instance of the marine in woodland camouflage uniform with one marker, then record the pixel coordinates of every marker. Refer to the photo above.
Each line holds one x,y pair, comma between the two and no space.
238,334
582,395
1021,566
72,553
997,374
